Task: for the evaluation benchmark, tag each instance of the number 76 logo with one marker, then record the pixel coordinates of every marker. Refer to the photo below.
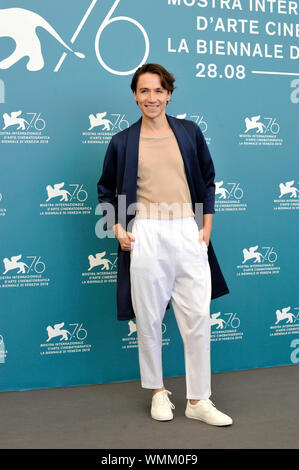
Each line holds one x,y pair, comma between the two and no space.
107,21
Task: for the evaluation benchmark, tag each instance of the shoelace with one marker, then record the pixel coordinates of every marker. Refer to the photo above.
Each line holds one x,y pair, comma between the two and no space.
165,397
208,402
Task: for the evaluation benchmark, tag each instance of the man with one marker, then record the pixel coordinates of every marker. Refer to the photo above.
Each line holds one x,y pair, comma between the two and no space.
164,169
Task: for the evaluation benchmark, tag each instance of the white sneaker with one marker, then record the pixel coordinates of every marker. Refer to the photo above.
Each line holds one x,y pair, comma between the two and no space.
206,411
162,406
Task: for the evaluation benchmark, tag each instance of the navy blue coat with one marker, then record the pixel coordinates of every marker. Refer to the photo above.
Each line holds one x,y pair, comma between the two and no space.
119,177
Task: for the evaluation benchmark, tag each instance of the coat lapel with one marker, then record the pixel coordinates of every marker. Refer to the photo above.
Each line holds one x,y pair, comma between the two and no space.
129,186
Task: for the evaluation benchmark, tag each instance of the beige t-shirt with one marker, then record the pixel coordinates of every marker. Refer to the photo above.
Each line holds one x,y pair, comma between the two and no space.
162,188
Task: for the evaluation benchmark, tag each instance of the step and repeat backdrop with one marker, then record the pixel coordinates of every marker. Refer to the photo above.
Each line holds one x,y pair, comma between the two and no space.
65,73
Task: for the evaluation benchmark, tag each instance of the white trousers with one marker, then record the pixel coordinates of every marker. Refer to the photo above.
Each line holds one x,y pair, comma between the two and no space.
168,262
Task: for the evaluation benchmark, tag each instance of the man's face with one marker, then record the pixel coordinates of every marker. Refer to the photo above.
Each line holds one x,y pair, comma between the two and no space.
151,96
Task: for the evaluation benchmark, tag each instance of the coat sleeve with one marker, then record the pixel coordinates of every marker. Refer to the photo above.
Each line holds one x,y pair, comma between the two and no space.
107,185
208,172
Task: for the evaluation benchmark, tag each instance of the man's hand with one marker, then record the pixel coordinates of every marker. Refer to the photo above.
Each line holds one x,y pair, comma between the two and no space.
124,238
205,232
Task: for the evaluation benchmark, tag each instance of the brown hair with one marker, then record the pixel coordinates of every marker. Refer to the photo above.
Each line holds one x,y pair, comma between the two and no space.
167,79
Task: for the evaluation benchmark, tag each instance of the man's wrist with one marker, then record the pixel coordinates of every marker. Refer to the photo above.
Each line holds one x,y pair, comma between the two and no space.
207,221
118,230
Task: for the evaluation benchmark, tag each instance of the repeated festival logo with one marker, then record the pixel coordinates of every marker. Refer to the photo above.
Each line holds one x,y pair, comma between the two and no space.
261,130
101,268
287,196
103,126
24,271
23,128
225,326
258,260
61,339
65,199
229,196
285,321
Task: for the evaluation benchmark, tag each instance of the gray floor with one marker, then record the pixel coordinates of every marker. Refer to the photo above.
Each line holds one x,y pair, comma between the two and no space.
262,402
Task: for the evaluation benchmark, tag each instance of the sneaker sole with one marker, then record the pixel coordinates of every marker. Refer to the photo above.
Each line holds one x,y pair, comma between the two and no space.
207,422
162,419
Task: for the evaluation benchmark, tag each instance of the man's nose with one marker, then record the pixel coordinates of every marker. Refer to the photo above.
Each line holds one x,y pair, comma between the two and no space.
152,96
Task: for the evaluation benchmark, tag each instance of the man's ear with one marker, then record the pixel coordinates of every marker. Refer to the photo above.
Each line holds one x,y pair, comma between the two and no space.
135,98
